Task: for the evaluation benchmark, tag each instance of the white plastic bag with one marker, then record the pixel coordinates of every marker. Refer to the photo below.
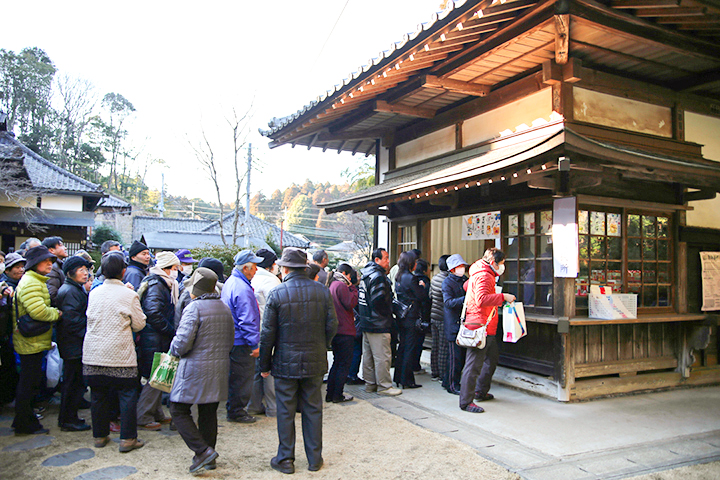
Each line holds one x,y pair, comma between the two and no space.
514,327
54,366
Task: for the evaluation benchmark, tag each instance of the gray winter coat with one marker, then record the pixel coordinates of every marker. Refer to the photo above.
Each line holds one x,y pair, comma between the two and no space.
203,342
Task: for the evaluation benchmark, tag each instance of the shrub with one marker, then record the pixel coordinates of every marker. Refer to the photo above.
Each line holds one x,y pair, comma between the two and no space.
221,252
103,233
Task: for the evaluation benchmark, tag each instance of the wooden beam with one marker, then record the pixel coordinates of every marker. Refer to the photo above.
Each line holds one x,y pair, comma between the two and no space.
362,135
314,139
562,36
431,81
700,195
676,12
640,4
697,81
383,106
552,73
627,56
572,71
625,366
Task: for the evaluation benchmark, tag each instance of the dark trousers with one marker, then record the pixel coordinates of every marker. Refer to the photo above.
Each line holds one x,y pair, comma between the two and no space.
307,393
72,391
242,372
403,364
31,375
417,350
356,357
8,372
474,360
342,347
492,356
101,405
456,362
197,437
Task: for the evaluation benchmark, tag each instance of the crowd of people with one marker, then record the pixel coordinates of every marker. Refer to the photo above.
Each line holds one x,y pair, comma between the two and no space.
257,339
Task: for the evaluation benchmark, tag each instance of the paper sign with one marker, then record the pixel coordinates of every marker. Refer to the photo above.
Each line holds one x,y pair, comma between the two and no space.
565,238
481,226
710,262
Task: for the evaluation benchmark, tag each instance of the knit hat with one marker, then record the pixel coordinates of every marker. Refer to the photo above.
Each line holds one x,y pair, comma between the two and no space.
74,262
166,260
268,256
136,248
36,255
215,265
202,281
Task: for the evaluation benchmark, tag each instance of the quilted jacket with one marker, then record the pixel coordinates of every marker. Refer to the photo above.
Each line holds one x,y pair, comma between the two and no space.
33,298
203,342
56,279
113,313
160,324
297,329
72,300
437,313
375,297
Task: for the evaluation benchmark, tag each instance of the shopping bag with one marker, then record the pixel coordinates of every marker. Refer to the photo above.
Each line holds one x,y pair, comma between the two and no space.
163,371
514,326
54,366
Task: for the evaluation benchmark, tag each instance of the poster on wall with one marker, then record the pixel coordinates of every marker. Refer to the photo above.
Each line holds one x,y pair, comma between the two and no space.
481,226
565,238
710,262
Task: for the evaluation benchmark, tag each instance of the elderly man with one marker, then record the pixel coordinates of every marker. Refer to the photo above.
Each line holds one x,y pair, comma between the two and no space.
56,277
239,296
137,268
186,265
298,327
320,258
263,392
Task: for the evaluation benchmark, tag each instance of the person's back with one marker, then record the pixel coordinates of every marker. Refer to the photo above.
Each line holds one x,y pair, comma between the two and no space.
300,322
375,300
437,312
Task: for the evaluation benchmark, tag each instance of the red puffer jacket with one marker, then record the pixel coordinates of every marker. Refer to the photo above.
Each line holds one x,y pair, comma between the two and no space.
482,301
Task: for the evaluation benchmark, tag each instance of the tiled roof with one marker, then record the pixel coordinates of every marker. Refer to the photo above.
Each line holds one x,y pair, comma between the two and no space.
143,225
45,175
173,240
111,201
259,228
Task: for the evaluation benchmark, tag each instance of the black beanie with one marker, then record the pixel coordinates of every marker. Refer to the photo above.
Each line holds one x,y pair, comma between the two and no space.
215,265
136,248
74,262
268,256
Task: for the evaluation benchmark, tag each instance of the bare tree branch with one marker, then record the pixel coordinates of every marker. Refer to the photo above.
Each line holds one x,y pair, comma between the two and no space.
16,187
205,155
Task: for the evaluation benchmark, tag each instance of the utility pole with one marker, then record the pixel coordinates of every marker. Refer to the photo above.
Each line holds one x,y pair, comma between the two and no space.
161,205
247,198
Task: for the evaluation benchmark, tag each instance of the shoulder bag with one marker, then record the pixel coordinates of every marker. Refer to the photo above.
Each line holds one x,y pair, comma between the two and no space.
28,326
470,338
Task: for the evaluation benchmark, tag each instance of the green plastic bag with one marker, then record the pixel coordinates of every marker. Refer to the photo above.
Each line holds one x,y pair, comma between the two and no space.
163,371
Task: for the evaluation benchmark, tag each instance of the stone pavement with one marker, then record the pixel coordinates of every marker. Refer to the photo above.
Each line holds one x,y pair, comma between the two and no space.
540,438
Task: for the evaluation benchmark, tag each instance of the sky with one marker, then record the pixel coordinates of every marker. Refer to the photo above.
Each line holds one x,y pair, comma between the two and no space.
186,65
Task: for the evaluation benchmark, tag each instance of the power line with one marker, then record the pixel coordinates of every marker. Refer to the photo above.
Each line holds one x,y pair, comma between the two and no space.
329,35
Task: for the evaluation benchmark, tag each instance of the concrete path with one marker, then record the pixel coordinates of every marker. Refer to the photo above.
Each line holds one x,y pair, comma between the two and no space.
540,439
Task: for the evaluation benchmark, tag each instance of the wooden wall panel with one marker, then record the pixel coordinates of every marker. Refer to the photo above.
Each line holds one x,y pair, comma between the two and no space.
610,343
594,344
625,342
640,336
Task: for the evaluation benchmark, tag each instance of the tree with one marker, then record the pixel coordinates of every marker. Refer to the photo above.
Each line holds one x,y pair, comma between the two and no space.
77,102
16,188
102,233
206,156
300,212
112,131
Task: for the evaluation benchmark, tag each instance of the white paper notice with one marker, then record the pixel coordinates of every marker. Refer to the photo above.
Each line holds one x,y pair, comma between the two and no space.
565,238
710,262
481,226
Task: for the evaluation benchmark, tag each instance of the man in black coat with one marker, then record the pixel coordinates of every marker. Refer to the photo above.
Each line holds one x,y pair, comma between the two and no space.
375,319
137,268
56,277
298,326
72,299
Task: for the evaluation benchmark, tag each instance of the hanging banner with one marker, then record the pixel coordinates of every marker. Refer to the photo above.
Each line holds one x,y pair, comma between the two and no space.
481,226
710,262
565,238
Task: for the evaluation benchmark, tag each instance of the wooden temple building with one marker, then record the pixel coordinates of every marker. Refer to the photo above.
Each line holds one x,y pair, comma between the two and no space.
587,130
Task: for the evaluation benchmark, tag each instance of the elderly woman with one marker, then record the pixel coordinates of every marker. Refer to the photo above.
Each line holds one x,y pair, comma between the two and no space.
159,293
72,299
109,359
203,342
345,299
482,305
32,298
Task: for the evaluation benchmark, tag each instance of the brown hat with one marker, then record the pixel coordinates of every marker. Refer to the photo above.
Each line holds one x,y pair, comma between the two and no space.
293,258
202,281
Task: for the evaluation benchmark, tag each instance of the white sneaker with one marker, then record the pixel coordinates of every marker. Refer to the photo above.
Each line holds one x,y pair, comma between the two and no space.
392,391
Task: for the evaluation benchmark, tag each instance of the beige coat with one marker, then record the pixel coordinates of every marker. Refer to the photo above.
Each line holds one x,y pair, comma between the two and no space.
113,313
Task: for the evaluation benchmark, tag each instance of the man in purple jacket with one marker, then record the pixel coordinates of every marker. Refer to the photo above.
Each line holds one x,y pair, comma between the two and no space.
239,296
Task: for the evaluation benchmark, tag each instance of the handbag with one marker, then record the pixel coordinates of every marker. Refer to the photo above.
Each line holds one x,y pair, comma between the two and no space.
28,326
163,371
470,338
400,310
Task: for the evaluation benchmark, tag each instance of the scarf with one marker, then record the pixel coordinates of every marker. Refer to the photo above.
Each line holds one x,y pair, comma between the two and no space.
339,276
171,283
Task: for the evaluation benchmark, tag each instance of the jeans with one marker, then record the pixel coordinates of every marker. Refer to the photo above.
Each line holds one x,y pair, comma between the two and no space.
197,437
307,393
101,399
72,390
357,356
342,347
31,376
242,372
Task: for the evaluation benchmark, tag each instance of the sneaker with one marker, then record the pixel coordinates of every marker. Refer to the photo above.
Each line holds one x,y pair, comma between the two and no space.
243,419
129,445
472,408
392,391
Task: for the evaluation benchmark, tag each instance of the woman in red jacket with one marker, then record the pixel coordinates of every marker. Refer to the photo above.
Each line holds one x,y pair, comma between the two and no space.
344,293
482,309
